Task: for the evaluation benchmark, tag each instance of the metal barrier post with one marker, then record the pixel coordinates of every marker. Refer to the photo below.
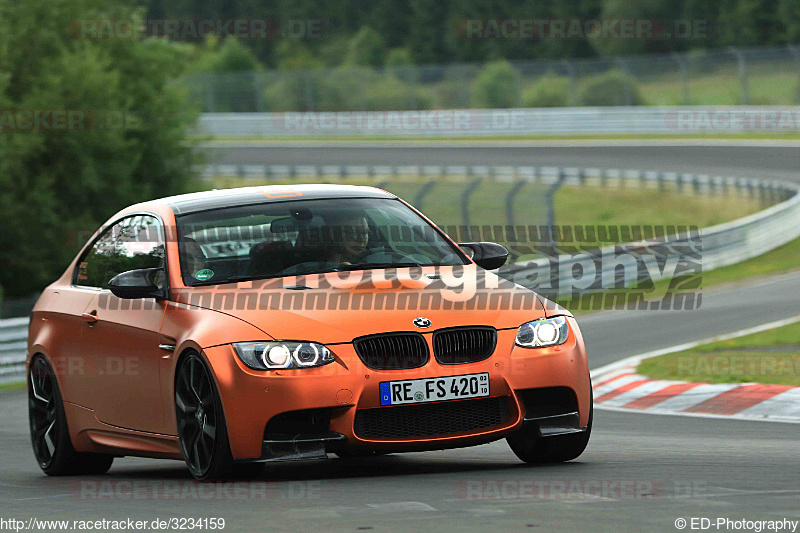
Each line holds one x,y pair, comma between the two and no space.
551,207
465,205
741,62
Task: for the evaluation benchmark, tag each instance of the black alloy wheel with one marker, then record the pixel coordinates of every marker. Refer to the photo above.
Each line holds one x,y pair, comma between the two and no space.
201,423
49,432
43,412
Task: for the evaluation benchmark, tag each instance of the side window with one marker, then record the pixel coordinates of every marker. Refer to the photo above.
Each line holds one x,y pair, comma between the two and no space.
132,243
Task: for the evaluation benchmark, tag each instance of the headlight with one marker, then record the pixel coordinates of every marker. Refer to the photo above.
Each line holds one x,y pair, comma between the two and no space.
543,332
282,354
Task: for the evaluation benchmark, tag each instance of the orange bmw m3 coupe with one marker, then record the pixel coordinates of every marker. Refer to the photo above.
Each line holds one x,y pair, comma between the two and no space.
262,324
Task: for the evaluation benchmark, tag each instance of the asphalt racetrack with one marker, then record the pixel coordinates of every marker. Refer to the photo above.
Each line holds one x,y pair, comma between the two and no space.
724,159
640,472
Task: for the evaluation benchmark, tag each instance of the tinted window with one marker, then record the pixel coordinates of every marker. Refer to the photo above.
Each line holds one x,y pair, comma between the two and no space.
130,244
307,236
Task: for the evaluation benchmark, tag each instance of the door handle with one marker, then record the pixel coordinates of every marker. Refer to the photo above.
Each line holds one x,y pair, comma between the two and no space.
91,318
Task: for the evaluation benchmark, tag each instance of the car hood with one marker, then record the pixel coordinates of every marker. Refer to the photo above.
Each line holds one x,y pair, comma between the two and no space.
338,307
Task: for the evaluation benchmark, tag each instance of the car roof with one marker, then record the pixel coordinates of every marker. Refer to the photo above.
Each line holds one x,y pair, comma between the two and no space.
219,198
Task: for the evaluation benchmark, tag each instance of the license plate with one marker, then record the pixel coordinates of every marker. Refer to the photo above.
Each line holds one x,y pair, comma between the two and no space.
434,389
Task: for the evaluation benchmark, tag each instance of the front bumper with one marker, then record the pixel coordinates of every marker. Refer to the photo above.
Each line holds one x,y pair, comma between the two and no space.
251,399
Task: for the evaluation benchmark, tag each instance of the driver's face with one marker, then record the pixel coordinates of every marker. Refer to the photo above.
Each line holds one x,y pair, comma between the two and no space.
356,235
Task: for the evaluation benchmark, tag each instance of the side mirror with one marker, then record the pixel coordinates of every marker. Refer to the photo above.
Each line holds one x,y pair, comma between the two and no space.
135,284
487,255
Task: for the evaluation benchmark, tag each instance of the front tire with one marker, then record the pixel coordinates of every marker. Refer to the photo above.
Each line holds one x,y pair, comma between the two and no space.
531,448
202,431
49,432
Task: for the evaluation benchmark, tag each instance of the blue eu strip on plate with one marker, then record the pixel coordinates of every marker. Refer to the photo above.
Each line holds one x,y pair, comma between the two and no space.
386,397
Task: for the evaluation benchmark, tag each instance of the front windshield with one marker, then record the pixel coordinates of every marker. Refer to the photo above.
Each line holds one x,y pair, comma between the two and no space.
307,237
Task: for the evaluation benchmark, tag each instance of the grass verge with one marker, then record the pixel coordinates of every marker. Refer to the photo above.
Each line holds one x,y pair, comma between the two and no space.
588,205
12,385
779,260
771,356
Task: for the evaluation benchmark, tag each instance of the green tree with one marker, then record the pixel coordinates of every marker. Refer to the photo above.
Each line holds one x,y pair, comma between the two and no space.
228,56
295,86
59,183
230,76
750,22
427,30
433,29
366,48
496,86
661,13
789,14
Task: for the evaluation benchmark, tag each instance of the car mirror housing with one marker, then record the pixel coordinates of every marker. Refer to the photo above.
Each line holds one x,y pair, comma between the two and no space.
487,255
136,284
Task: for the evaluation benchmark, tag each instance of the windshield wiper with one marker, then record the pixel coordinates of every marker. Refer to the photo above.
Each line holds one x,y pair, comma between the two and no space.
235,279
369,266
338,268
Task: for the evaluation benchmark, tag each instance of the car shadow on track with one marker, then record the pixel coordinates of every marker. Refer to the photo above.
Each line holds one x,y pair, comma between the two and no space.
395,465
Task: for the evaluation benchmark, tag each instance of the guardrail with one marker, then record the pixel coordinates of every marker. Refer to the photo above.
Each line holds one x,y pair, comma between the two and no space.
767,191
722,245
717,246
663,120
13,345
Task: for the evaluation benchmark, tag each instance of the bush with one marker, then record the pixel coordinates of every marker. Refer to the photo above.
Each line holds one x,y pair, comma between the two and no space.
295,85
399,57
497,86
549,90
343,88
613,88
393,94
293,55
288,91
332,49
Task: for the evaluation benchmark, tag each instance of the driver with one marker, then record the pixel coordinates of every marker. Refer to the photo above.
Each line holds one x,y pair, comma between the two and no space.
350,237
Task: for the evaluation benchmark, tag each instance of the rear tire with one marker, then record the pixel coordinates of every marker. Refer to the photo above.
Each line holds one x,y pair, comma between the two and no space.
49,432
202,432
529,447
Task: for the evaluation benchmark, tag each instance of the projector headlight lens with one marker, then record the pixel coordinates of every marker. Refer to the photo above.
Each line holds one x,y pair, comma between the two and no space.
282,354
276,357
543,332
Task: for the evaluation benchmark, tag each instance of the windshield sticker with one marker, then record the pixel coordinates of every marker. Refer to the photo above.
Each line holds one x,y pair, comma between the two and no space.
205,274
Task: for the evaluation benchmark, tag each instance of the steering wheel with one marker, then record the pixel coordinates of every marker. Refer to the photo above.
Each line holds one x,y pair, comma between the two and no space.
392,256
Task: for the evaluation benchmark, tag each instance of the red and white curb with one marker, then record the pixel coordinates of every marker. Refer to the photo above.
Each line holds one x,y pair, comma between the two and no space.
617,387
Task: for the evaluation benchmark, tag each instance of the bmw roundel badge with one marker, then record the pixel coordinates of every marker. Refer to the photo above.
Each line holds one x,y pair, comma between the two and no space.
422,322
